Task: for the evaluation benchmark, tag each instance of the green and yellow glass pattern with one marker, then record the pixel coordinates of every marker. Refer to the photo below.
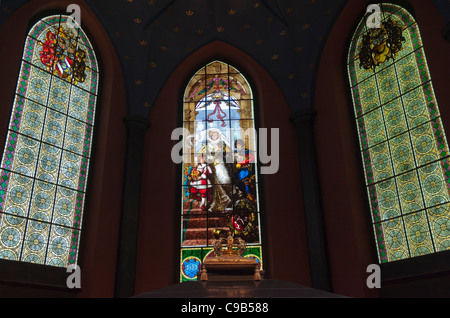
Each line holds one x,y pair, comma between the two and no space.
403,146
45,161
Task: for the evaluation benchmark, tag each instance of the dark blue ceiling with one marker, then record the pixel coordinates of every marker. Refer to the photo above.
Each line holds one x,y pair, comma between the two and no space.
153,36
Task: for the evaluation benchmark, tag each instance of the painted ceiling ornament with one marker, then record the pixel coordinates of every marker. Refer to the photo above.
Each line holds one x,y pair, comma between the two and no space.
380,45
62,57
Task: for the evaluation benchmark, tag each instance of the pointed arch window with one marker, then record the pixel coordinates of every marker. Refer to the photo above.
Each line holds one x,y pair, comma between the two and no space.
220,181
45,161
403,145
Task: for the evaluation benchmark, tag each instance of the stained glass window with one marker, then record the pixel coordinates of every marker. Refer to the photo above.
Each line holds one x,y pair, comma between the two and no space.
403,145
220,181
45,161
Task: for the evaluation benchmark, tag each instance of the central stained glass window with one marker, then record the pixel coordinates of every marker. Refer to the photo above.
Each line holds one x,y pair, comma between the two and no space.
45,162
220,181
403,145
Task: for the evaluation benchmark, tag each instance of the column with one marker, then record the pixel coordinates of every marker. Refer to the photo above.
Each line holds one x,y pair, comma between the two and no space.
126,260
304,125
446,32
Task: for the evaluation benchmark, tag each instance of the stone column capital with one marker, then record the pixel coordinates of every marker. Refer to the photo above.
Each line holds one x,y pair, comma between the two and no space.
303,116
136,122
446,32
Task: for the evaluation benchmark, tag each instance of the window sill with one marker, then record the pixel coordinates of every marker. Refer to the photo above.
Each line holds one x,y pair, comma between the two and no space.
425,276
420,266
34,275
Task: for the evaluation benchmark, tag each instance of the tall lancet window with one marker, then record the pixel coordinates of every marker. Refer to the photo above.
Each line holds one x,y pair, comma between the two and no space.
45,161
220,181
403,146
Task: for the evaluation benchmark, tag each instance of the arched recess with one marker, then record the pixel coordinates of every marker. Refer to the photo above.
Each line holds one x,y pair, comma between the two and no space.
103,197
402,139
220,167
284,235
351,243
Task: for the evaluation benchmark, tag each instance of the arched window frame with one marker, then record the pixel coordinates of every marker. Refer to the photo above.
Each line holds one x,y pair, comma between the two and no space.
78,119
389,230
194,256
